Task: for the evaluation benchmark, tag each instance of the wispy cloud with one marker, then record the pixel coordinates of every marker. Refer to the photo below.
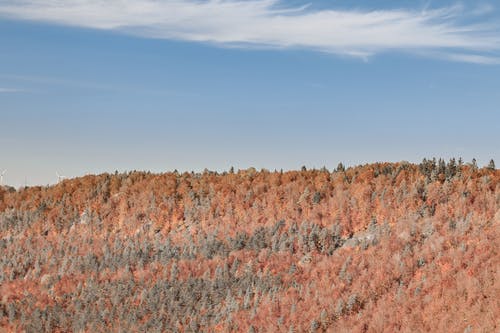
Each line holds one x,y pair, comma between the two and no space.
474,58
483,9
271,24
80,84
9,90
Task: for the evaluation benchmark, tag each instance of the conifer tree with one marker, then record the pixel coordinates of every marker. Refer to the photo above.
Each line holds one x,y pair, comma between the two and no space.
491,165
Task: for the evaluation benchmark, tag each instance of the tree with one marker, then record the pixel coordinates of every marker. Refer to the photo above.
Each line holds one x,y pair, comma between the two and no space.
474,164
316,197
491,165
451,169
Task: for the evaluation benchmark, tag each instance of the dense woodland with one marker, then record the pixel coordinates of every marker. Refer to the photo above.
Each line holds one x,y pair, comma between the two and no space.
376,248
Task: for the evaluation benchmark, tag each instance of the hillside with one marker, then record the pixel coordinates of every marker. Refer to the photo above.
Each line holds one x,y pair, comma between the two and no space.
382,247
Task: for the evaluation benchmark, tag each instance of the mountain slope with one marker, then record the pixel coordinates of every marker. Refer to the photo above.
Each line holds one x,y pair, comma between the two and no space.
380,247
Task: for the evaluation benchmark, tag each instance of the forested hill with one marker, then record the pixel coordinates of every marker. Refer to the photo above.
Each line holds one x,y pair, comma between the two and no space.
379,247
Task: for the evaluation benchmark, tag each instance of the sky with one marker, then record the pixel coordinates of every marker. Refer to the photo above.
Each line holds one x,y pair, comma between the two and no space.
92,86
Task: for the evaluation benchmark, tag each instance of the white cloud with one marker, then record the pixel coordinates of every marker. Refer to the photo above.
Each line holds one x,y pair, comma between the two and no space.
9,90
270,24
473,58
483,9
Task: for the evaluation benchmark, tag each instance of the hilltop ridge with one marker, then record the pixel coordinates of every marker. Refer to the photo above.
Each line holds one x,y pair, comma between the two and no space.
379,247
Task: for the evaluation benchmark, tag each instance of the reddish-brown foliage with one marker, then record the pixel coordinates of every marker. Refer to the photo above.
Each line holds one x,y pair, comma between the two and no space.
376,248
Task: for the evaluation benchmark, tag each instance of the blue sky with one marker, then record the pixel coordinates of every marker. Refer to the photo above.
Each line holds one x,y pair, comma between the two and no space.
92,86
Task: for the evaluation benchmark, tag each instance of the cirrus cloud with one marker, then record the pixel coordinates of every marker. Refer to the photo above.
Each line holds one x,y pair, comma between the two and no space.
272,24
9,90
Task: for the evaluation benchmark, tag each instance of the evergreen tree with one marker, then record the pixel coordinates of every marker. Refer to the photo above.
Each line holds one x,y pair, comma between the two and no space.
474,164
491,165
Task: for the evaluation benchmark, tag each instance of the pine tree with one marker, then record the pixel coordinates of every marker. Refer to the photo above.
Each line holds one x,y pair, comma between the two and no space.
491,165
474,164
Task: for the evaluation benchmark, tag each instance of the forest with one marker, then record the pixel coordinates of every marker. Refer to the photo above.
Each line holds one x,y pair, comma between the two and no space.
382,247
